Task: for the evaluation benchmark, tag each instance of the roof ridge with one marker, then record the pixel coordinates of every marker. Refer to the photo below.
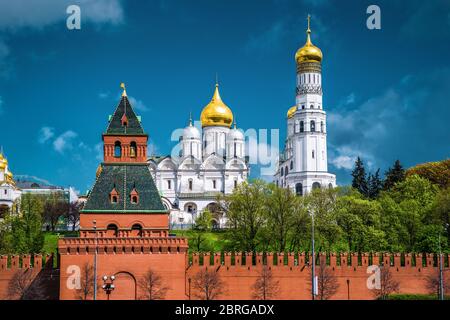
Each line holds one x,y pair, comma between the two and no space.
115,111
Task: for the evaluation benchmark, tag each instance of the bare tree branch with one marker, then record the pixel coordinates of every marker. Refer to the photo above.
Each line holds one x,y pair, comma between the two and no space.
265,287
152,286
208,285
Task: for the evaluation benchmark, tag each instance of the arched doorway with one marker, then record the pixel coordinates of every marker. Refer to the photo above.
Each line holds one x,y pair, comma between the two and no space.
4,209
316,185
299,189
124,287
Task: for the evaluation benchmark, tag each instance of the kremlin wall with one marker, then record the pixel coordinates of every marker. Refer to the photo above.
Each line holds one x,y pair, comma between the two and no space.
129,260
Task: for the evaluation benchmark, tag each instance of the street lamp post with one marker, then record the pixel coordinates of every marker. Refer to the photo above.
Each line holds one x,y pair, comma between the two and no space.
441,268
95,260
313,262
108,285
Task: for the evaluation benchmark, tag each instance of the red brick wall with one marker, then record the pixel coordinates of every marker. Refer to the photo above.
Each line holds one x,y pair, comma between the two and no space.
10,265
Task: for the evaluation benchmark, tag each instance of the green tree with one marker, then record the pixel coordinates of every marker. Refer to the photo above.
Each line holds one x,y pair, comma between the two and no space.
394,175
322,203
359,181
281,205
375,185
22,233
246,214
203,224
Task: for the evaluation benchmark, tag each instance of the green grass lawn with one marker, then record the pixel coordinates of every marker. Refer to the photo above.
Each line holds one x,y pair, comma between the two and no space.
214,241
51,240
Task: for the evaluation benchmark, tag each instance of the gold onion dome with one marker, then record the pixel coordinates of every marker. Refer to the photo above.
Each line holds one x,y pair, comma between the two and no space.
216,113
3,161
291,112
309,52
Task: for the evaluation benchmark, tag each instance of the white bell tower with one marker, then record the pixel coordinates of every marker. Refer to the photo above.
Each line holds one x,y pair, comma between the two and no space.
303,164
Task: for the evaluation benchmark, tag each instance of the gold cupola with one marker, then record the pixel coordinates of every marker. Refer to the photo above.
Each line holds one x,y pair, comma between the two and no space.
3,161
216,113
309,52
291,112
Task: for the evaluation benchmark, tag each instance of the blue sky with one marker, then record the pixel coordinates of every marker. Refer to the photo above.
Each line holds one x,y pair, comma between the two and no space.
386,91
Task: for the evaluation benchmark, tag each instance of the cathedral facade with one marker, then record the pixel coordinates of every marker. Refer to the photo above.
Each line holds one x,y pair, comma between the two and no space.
303,163
9,193
211,161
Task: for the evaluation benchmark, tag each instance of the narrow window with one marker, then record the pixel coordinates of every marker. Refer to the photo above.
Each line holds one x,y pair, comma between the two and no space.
321,126
235,184
114,199
117,149
134,199
313,126
169,184
292,165
214,184
190,184
313,154
302,126
311,106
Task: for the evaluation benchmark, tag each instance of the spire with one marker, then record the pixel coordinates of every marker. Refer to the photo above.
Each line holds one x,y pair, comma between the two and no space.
308,32
190,119
216,97
235,126
124,93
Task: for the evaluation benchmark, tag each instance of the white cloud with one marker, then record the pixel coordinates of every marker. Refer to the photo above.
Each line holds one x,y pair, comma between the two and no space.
138,104
98,148
45,134
64,141
103,95
38,14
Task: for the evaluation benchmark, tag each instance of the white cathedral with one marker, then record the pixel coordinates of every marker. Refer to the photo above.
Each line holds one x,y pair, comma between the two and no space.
303,163
9,193
210,162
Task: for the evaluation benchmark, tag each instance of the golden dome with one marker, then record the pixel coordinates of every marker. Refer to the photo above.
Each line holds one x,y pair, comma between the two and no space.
216,113
291,112
309,52
3,161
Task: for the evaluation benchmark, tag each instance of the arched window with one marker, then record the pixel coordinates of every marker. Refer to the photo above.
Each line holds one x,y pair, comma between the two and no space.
303,107
311,106
286,170
133,149
282,172
292,165
299,189
134,199
136,230
330,186
313,126
316,185
111,230
321,126
190,184
117,149
302,126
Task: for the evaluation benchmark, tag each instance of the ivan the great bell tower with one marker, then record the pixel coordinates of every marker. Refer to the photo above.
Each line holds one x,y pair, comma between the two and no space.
303,164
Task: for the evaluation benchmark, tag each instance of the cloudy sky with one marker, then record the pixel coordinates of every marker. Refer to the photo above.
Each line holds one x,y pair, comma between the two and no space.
387,92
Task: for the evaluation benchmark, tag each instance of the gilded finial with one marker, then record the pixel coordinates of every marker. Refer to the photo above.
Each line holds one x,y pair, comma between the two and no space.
217,80
308,32
124,93
235,126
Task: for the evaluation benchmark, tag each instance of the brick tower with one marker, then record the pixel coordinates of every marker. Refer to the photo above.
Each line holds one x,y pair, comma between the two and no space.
124,225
